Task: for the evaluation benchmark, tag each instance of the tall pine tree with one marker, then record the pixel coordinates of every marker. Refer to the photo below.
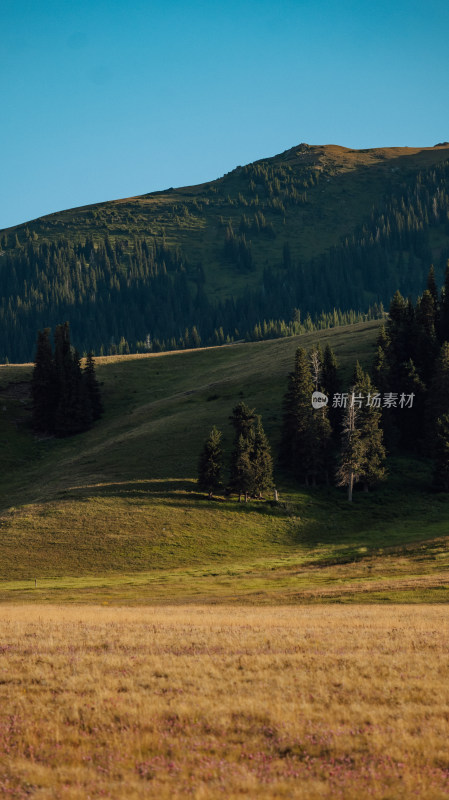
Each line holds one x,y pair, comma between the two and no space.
210,463
44,386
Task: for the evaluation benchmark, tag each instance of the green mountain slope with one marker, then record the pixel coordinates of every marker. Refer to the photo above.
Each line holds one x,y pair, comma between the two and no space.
311,229
114,514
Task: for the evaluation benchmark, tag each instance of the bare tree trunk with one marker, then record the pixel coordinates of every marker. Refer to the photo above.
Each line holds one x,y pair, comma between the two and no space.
246,497
350,486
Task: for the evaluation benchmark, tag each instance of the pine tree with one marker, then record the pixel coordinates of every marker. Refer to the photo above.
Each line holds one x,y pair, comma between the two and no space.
44,386
297,434
242,419
381,367
316,367
426,347
242,472
352,453
369,419
409,420
331,385
438,399
261,460
443,324
432,286
210,463
441,454
73,413
93,388
398,332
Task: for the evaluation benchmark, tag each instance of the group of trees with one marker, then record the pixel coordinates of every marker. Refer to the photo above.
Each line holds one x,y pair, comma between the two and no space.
66,399
413,356
347,440
251,464
332,442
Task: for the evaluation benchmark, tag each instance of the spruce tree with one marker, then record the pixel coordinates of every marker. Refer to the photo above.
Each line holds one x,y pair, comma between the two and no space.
242,419
242,471
320,458
331,386
443,324
398,331
432,287
369,423
93,388
297,434
381,367
210,463
441,454
316,367
438,398
410,419
261,460
426,347
44,387
352,452
73,413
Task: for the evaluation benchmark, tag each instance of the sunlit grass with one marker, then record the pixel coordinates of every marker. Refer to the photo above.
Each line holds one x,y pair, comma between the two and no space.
301,702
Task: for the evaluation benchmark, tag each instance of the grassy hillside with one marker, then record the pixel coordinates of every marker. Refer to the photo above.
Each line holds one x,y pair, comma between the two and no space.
309,231
114,513
338,188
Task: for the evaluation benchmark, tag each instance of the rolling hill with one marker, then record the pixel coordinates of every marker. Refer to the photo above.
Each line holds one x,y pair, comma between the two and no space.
310,230
114,515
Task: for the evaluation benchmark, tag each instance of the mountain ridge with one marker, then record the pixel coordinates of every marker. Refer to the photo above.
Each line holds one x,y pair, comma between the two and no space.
313,229
325,149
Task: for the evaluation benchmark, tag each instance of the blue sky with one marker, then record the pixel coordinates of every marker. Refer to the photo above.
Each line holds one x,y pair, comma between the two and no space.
101,100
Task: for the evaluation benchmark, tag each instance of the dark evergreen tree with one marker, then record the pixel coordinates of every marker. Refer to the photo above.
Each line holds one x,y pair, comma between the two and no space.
352,451
441,454
331,385
438,398
410,417
210,463
432,288
242,419
261,460
381,368
425,339
242,467
297,434
93,387
320,456
369,419
443,325
44,386
74,411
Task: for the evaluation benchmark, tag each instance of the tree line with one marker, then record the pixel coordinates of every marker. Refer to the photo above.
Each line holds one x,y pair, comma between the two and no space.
399,405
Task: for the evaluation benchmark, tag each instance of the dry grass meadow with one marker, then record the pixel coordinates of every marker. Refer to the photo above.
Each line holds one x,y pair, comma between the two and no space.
206,702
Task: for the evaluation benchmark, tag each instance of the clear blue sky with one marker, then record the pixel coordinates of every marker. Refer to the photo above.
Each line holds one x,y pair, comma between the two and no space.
101,99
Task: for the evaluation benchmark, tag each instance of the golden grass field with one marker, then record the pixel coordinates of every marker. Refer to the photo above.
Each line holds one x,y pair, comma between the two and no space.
207,702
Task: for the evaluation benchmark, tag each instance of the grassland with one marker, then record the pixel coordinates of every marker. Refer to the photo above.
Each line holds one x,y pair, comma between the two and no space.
203,702
114,514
